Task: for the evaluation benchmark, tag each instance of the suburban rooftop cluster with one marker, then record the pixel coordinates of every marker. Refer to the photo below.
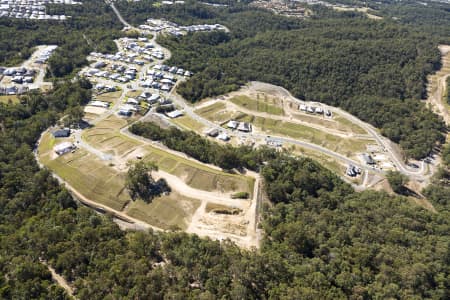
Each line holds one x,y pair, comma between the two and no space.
31,9
14,80
159,25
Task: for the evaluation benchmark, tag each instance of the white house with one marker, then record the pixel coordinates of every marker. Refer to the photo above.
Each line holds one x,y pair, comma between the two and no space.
174,114
62,148
132,101
223,136
232,124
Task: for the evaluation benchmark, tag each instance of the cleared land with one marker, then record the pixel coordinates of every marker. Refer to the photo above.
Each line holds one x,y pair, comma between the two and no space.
220,112
437,86
103,182
333,134
215,112
106,137
346,146
207,180
134,94
327,161
261,104
365,10
173,211
87,174
100,181
346,125
109,97
222,209
188,123
337,122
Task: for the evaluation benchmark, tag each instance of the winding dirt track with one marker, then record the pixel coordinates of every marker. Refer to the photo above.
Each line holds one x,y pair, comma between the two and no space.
435,96
59,280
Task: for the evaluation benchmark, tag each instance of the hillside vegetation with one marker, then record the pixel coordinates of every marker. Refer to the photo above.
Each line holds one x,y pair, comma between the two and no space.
448,90
196,146
92,27
322,240
376,70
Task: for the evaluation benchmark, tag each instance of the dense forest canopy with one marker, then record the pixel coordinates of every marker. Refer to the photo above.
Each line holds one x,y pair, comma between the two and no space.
92,26
374,69
225,156
323,240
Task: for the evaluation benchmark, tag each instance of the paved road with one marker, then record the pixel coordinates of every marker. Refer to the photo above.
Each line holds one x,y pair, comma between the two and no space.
82,144
384,142
336,132
190,112
118,215
418,174
397,160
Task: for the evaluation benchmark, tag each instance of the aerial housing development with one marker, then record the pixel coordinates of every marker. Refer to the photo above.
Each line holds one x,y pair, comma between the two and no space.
32,9
270,149
29,76
163,26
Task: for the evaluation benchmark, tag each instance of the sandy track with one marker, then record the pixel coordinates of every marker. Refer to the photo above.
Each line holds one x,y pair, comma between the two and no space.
239,228
182,188
59,279
435,97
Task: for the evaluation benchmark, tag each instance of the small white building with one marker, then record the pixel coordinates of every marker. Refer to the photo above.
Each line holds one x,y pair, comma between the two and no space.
223,136
62,148
132,101
165,87
174,114
244,127
212,132
97,103
232,124
153,98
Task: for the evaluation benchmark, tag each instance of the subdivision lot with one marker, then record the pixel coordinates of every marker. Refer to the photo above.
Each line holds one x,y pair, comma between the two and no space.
261,104
211,181
220,112
107,138
346,146
88,175
337,122
109,97
325,160
173,211
133,94
215,112
199,176
188,123
98,180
